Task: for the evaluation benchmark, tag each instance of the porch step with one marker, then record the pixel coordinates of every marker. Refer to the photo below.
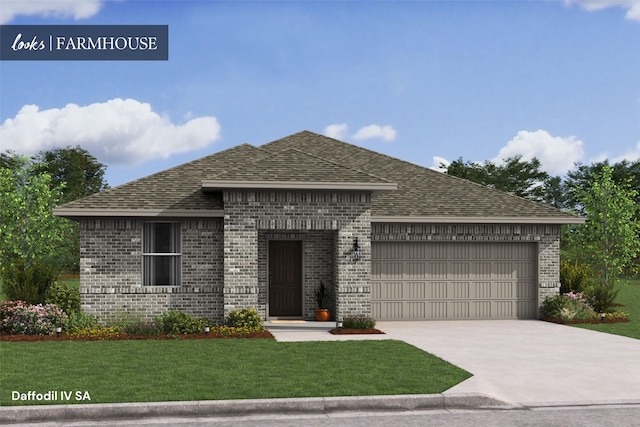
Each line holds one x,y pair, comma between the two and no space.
298,325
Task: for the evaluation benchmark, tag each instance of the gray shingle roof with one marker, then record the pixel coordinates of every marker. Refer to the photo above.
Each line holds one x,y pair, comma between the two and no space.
292,164
309,157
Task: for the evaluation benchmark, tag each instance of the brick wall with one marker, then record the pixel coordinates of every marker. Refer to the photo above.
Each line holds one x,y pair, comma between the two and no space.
111,270
305,214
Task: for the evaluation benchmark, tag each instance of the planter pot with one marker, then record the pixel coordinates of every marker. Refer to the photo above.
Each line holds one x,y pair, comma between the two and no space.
322,314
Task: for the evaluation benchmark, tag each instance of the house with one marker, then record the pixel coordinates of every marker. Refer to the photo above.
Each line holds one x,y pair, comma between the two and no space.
264,226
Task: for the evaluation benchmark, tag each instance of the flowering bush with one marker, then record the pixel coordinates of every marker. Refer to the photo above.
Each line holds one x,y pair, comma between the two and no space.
567,307
244,318
358,322
98,333
18,317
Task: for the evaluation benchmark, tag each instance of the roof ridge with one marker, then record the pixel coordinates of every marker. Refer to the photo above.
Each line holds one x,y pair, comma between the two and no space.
428,170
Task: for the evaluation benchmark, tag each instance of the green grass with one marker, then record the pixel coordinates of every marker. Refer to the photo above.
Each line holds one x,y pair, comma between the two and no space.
178,370
629,297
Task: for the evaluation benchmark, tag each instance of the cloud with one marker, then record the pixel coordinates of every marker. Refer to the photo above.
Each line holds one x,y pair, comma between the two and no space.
632,6
557,155
438,162
337,131
78,9
117,131
386,133
630,156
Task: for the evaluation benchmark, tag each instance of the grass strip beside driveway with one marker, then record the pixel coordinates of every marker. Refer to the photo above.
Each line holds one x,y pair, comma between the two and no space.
629,297
182,370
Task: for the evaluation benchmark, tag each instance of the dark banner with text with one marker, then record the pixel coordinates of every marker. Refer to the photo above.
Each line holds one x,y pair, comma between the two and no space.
84,42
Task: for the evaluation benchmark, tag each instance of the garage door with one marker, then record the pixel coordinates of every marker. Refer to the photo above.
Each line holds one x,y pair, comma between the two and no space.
438,280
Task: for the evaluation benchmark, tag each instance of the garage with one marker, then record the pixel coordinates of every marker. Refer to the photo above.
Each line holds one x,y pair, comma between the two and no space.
454,280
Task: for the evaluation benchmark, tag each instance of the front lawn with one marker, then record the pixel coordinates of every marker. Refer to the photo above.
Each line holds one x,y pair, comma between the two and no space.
175,370
629,297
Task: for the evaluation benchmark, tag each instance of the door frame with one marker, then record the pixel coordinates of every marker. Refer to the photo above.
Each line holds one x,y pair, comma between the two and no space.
302,276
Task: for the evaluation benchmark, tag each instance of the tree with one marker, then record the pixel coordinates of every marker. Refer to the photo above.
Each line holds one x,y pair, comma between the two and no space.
515,176
608,241
582,177
80,172
28,229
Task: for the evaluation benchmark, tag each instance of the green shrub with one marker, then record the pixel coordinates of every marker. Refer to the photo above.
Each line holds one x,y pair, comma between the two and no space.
28,283
135,324
358,322
602,296
567,307
60,294
78,321
178,323
574,276
244,318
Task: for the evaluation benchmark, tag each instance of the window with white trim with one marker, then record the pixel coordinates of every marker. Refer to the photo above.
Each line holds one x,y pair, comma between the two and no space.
161,254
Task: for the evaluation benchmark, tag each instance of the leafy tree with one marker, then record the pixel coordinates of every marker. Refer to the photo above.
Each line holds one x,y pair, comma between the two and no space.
608,241
80,172
582,177
28,229
514,176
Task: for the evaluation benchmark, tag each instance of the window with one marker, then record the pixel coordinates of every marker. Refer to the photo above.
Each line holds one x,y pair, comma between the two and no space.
161,257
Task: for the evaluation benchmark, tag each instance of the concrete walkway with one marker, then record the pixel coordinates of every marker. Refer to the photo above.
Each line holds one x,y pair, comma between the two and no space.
530,362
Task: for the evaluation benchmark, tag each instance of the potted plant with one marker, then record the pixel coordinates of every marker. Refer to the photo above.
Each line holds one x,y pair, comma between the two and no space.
322,312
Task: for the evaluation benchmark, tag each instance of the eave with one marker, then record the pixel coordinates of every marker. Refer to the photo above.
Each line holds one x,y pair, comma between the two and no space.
101,212
374,187
478,220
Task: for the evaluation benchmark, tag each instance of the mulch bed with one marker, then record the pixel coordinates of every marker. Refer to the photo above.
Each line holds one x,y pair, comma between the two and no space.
589,321
66,337
346,331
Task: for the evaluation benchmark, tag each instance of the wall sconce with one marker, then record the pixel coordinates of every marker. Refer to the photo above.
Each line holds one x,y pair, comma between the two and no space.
58,331
355,254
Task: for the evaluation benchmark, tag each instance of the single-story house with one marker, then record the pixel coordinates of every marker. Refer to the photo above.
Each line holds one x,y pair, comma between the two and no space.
264,226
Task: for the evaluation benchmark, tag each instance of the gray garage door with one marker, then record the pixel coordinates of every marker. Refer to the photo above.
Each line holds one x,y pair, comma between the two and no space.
437,280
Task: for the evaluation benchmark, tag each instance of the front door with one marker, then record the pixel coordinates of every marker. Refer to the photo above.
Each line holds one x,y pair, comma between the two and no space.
285,278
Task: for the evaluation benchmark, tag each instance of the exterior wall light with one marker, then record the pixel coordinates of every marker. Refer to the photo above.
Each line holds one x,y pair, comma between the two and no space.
355,254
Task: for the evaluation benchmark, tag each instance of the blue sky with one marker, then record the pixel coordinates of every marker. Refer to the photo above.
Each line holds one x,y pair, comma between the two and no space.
424,81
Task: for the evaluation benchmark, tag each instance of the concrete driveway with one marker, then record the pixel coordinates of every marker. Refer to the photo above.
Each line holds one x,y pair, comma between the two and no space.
531,362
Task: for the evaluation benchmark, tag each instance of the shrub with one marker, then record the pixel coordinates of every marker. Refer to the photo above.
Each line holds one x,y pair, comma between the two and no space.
178,323
358,322
567,307
60,294
574,276
244,318
79,320
28,283
18,317
602,296
144,328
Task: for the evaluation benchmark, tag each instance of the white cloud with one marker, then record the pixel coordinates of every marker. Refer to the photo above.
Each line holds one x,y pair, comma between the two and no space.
386,133
631,156
78,9
557,155
117,131
337,131
438,162
632,6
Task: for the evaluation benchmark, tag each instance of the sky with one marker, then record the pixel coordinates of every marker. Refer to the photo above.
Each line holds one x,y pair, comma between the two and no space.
424,81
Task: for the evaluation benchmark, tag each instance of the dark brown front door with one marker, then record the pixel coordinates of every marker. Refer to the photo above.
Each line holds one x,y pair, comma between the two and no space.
285,273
